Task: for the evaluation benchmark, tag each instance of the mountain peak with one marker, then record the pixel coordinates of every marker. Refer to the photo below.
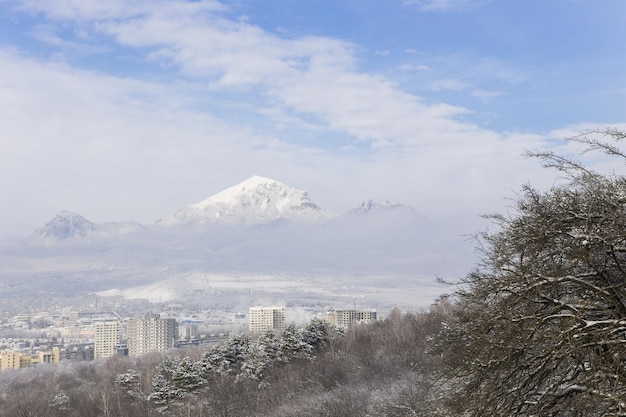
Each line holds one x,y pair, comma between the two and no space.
70,226
370,206
257,179
255,183
65,225
257,200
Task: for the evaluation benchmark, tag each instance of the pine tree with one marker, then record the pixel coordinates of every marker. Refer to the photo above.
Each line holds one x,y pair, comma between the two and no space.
227,357
262,356
292,344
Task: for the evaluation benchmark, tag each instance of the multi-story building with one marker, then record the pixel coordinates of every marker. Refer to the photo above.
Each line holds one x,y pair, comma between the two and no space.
12,359
151,334
261,319
344,318
81,351
106,337
77,333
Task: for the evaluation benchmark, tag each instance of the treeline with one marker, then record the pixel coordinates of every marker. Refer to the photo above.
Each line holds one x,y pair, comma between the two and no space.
377,369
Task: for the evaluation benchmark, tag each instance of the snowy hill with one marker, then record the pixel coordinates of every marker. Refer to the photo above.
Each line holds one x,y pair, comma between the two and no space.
371,206
258,200
388,220
72,226
66,225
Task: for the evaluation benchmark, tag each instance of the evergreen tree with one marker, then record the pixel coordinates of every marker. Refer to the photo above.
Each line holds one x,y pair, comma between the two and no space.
228,357
187,376
262,356
315,333
292,344
130,382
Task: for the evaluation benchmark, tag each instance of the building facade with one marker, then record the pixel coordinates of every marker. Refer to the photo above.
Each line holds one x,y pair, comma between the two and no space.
106,337
261,319
344,318
12,359
151,334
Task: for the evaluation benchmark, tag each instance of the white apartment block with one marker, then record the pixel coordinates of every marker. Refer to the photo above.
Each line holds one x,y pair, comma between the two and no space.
151,334
344,318
106,337
261,319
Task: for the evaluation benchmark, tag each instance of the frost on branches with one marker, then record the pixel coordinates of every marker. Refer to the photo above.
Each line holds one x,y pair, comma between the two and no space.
542,326
239,364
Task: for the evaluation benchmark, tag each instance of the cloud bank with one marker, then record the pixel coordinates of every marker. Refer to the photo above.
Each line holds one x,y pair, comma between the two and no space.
138,108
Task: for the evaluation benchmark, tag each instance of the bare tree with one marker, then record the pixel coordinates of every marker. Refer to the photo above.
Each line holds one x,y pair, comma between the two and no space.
541,328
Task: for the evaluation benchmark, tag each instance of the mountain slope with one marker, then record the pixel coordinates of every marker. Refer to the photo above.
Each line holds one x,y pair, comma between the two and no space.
66,225
371,206
258,200
69,226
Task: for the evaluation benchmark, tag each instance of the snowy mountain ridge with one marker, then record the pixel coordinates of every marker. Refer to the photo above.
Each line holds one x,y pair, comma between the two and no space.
370,206
70,225
253,202
257,200
270,241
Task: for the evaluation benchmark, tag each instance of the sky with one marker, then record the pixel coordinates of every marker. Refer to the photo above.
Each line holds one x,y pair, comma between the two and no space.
131,109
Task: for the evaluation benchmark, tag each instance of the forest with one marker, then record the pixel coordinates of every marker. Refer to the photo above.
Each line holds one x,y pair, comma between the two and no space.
538,328
377,369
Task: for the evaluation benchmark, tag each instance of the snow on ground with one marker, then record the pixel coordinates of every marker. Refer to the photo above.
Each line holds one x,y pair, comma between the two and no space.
335,291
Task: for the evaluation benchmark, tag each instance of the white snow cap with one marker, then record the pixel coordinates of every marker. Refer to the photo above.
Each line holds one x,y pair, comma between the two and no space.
257,200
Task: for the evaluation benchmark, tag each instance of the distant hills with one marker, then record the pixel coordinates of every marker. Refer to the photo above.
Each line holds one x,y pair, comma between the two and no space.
69,225
259,240
254,202
371,206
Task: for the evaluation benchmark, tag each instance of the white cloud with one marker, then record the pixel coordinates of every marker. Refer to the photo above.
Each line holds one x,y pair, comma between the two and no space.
450,84
413,67
69,133
445,5
309,75
95,10
112,148
115,148
485,96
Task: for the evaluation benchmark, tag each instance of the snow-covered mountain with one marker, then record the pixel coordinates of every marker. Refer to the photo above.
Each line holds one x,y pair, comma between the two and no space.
72,226
257,200
371,206
272,242
66,225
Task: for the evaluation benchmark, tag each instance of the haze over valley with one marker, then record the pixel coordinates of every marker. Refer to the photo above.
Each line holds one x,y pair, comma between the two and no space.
260,241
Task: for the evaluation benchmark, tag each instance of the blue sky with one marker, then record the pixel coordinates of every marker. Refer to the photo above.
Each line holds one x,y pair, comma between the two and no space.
131,109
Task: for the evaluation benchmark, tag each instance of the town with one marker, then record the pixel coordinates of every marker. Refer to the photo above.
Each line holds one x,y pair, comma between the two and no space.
32,339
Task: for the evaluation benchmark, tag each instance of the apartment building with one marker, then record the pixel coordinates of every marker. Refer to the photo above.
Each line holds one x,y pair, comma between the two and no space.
12,359
344,318
106,337
262,318
151,334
